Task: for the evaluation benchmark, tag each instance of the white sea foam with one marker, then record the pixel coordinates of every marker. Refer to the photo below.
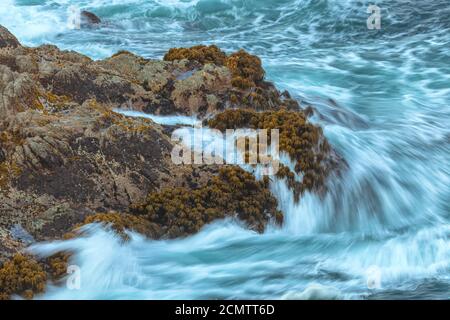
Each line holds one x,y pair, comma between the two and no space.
163,120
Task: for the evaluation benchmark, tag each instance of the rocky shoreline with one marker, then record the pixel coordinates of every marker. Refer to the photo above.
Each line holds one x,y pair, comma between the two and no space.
67,159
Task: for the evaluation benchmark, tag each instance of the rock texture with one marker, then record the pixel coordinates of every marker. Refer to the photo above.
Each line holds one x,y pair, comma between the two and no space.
89,19
67,159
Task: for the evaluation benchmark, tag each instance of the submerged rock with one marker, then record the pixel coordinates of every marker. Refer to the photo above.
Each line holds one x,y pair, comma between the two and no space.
89,19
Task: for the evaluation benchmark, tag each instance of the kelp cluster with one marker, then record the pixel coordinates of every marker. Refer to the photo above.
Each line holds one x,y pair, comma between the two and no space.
246,69
22,275
232,193
302,140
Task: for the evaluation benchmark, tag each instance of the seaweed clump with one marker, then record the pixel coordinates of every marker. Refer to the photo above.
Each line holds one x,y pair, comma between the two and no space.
303,141
25,276
56,265
120,223
202,54
246,69
248,86
22,275
232,193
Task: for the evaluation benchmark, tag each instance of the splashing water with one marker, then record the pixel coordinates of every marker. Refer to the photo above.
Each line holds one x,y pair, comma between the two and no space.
383,99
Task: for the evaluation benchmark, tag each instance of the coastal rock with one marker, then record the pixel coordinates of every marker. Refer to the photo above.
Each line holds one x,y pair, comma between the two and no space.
187,87
66,158
7,39
84,159
245,86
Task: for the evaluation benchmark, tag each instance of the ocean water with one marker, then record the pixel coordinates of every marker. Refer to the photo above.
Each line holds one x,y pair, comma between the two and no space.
383,99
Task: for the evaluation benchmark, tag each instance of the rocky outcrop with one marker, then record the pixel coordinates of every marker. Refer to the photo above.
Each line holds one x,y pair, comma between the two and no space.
7,39
22,274
67,159
244,85
65,155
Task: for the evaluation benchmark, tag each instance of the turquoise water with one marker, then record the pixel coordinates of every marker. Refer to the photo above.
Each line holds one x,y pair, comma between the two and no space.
383,98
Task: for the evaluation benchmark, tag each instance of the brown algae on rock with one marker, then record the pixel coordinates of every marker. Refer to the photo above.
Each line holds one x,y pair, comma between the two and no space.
246,69
232,193
303,141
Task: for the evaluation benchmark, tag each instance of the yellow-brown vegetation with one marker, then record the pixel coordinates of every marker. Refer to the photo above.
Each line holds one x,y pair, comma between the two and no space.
232,193
246,69
302,140
201,54
22,275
